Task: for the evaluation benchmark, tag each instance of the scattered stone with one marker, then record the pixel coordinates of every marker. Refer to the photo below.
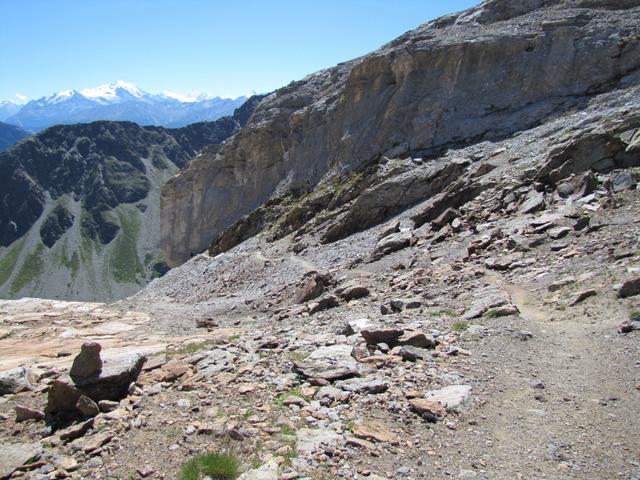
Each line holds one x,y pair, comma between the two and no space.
16,380
581,297
88,445
454,397
25,413
559,232
107,405
214,362
392,243
411,353
312,288
428,409
15,455
363,385
62,397
356,326
324,303
329,363
76,431
88,361
503,311
373,336
490,297
417,339
533,203
87,407
629,288
208,323
353,292
557,285
309,440
376,431
145,472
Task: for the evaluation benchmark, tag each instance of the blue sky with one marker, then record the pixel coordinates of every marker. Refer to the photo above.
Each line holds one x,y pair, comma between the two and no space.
225,48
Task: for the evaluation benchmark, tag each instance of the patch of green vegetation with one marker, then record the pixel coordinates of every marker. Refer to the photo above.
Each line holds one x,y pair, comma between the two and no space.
634,315
460,326
127,182
297,356
158,158
280,398
213,465
491,313
72,263
30,271
123,259
190,348
287,429
148,257
9,259
444,312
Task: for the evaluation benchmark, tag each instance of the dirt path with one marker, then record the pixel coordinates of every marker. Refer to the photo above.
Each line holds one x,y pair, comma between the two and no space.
559,403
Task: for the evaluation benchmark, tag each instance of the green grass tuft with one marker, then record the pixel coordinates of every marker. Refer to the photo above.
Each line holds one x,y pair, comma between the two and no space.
30,271
124,261
214,465
9,260
460,327
491,313
191,348
279,400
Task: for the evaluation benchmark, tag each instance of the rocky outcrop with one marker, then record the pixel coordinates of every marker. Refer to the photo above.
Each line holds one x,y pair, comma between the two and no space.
482,74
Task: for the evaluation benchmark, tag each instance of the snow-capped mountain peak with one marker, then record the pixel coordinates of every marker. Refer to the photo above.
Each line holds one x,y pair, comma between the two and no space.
186,97
113,92
120,101
60,96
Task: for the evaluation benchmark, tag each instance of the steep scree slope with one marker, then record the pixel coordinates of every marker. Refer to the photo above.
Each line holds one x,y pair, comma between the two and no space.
482,74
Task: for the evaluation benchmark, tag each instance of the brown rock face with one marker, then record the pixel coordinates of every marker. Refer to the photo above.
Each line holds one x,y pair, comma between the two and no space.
481,74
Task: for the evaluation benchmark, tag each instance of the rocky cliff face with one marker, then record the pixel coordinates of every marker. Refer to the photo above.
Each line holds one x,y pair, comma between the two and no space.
479,75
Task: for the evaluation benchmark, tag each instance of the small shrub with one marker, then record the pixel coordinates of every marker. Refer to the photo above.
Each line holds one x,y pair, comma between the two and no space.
460,327
214,465
634,315
279,400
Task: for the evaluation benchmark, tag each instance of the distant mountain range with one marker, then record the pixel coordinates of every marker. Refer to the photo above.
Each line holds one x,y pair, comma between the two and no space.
80,204
117,101
10,134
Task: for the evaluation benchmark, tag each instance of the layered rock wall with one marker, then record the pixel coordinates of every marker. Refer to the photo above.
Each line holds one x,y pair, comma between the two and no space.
482,74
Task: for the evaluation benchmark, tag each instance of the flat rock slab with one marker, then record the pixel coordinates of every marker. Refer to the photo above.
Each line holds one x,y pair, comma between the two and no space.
13,456
214,362
490,297
454,397
363,385
330,363
375,431
311,440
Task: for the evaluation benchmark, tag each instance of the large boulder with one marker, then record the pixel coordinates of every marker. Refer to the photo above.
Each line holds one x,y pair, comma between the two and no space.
112,382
